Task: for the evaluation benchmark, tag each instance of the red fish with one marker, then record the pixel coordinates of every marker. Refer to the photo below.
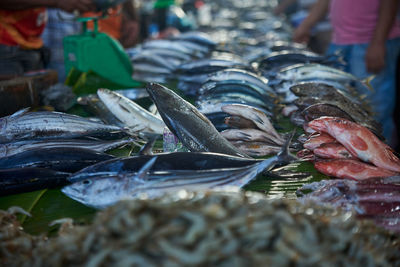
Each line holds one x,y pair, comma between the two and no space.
333,151
351,169
305,155
316,140
361,142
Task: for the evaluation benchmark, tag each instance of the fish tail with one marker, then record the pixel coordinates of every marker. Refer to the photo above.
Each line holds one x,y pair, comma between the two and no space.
284,156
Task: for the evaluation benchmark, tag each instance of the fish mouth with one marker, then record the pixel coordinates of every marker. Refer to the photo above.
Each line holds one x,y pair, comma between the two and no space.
72,193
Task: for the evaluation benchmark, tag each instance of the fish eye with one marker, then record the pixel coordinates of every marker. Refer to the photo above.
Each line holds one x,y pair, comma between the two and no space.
86,182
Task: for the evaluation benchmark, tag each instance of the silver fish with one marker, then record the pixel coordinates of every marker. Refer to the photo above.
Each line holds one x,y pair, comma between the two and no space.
13,148
248,135
131,114
24,125
257,116
101,192
192,128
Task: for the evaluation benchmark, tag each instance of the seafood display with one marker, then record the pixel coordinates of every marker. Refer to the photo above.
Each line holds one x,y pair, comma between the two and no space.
205,228
239,98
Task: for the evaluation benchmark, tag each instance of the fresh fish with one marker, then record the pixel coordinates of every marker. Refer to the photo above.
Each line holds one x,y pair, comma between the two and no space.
226,87
24,125
233,96
247,135
208,66
134,93
196,37
105,190
343,109
191,127
19,180
359,141
257,116
12,148
215,105
375,199
333,151
93,105
288,58
232,74
257,149
315,140
166,44
323,91
131,114
148,57
305,155
239,122
60,159
351,169
321,109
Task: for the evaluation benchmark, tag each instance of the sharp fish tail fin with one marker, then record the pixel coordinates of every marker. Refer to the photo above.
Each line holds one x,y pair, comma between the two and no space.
284,156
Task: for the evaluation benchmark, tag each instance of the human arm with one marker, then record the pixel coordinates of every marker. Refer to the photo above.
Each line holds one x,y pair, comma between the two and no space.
317,13
375,55
283,5
66,5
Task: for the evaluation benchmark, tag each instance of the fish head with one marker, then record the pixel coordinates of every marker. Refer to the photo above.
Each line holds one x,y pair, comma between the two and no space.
320,124
95,192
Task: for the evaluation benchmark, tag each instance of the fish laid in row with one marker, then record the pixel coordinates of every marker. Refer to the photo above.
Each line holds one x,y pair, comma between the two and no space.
24,125
106,183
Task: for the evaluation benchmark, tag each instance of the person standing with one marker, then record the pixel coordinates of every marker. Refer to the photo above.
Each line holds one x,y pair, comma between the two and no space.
367,35
21,25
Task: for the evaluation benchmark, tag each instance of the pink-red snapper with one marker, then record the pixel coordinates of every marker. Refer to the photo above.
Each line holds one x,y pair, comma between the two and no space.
361,142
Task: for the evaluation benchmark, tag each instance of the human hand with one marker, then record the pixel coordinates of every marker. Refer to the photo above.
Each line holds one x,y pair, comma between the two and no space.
375,57
76,5
301,34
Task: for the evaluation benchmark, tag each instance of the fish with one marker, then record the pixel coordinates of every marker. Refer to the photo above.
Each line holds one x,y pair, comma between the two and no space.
360,141
131,114
256,148
315,140
12,148
239,87
93,105
247,135
351,169
58,159
20,180
208,65
192,128
106,189
239,122
318,110
324,91
333,151
287,58
257,116
24,125
244,76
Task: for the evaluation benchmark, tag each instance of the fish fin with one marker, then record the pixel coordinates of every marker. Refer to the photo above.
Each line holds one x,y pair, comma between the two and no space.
142,173
284,156
367,82
147,149
19,113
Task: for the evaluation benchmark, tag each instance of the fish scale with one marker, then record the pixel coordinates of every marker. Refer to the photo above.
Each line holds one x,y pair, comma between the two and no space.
46,124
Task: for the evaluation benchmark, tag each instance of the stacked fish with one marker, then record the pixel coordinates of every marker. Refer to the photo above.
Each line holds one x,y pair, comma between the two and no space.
376,199
349,150
40,149
234,86
157,60
105,183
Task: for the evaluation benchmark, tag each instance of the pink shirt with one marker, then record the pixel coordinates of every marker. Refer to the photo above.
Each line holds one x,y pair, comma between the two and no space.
354,21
